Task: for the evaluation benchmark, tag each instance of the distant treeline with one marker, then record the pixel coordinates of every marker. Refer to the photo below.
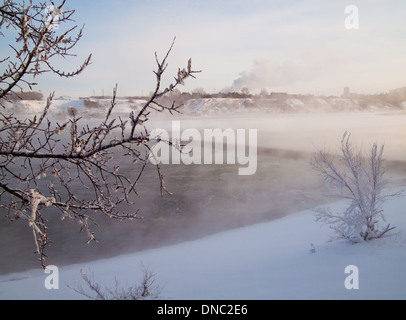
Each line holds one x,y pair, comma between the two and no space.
393,96
201,94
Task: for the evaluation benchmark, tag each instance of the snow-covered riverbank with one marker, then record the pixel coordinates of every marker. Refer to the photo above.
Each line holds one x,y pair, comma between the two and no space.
289,258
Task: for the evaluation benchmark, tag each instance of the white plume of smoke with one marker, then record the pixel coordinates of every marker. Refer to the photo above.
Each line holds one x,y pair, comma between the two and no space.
266,73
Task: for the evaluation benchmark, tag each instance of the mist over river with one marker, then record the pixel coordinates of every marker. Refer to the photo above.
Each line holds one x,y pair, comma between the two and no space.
207,199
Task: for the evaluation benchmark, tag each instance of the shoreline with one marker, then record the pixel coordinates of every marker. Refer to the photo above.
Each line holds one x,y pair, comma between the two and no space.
28,273
282,251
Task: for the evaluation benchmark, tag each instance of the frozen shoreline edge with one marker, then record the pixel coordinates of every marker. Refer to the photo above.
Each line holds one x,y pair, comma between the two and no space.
36,275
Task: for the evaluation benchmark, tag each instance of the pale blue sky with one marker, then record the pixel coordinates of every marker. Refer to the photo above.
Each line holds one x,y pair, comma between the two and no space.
293,46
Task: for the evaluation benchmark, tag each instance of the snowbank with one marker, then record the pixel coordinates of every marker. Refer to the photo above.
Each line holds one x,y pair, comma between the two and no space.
288,104
266,261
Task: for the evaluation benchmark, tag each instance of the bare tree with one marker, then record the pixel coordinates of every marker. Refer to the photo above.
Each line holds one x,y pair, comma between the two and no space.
146,289
43,163
360,179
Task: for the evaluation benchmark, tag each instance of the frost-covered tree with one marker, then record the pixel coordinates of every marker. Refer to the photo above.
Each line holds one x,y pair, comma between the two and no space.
44,165
43,32
359,177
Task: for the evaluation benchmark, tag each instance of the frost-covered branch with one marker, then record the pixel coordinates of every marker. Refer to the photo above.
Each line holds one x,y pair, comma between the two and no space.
38,41
43,165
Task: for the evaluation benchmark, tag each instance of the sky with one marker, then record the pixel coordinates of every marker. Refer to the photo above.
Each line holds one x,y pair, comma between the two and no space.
302,47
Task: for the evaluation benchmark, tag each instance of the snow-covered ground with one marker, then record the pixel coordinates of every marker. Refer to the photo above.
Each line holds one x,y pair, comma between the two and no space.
272,260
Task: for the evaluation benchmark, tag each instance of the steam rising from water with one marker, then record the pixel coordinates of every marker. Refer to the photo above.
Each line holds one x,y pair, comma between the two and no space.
212,198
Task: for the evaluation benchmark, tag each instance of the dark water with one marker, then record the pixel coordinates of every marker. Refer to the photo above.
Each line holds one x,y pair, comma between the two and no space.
206,199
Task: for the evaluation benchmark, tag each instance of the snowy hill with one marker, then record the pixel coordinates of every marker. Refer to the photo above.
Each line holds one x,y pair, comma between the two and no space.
96,107
267,261
285,105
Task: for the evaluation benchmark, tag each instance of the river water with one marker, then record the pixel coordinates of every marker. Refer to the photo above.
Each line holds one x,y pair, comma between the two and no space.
207,199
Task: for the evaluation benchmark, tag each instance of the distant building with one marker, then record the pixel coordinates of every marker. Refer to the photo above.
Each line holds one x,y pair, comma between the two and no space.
346,93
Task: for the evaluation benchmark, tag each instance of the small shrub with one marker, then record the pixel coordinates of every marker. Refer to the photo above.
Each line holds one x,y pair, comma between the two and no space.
360,179
146,289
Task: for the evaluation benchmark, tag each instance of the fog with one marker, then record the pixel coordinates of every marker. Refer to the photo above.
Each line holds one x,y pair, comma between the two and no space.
207,199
